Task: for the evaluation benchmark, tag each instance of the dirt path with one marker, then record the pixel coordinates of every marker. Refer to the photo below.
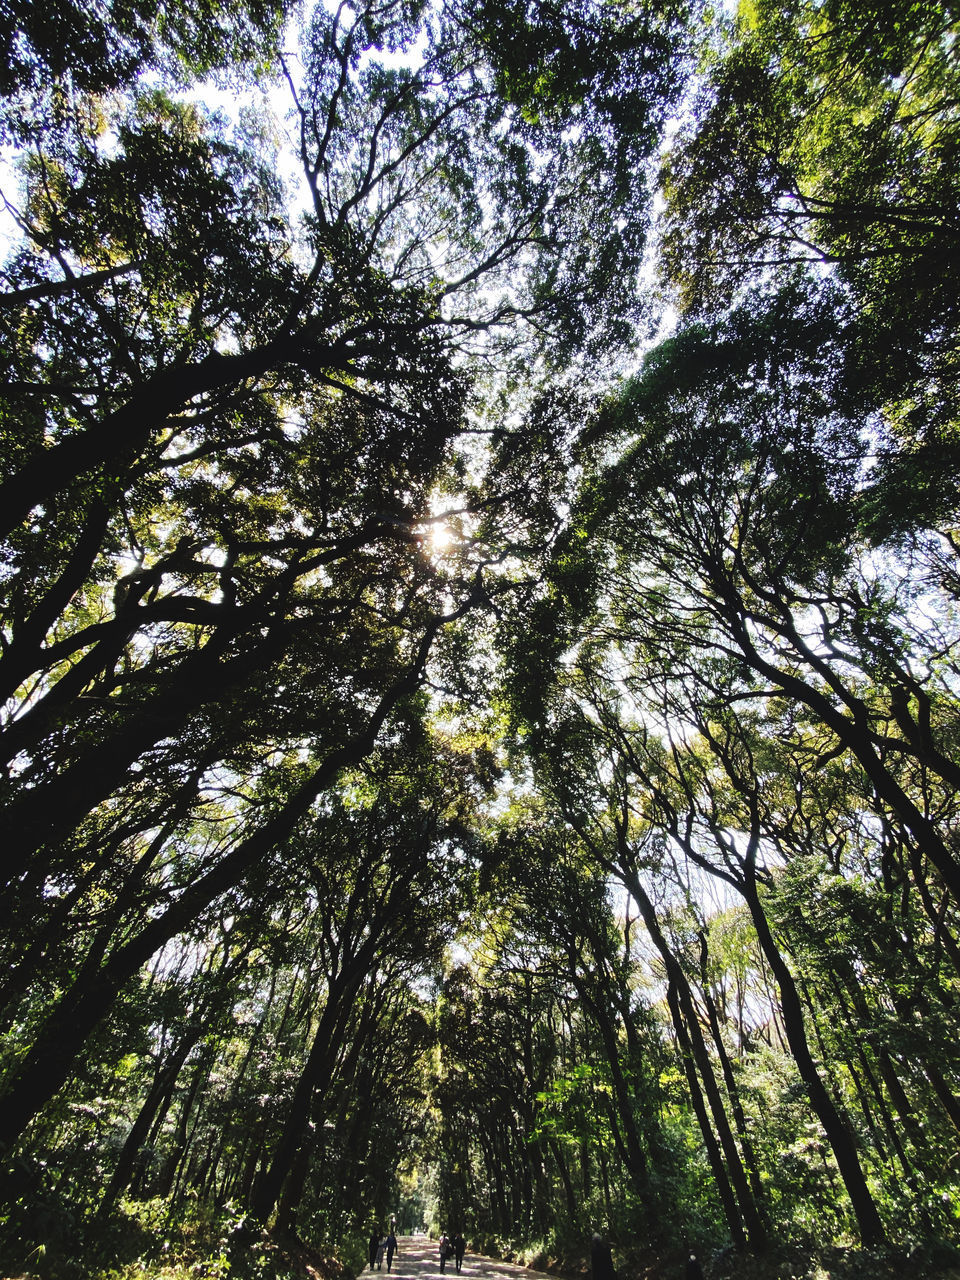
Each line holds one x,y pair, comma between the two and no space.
418,1256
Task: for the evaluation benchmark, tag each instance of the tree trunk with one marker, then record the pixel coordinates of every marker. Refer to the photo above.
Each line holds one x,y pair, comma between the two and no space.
557,1152
163,1086
728,1201
633,1155
729,1080
834,1123
751,1217
296,1132
49,1061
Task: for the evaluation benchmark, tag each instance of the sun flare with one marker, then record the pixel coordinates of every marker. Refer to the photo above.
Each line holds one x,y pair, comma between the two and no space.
440,537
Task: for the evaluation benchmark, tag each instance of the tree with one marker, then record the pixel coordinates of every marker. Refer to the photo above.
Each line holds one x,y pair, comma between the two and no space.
758,637
226,426
751,470
824,134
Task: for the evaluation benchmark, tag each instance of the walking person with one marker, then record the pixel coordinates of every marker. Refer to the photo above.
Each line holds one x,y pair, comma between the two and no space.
392,1248
444,1250
459,1244
601,1259
694,1270
372,1246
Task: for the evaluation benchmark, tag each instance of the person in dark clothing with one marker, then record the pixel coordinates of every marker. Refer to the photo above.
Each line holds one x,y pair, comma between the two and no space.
694,1270
391,1248
373,1246
459,1245
601,1259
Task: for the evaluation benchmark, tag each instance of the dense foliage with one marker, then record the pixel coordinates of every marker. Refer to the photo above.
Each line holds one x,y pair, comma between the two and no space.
466,757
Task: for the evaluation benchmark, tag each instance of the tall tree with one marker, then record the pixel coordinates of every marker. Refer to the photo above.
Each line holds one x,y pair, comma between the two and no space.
227,421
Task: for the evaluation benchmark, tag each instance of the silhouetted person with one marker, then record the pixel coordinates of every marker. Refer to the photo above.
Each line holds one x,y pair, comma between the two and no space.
392,1247
694,1270
459,1244
373,1246
601,1259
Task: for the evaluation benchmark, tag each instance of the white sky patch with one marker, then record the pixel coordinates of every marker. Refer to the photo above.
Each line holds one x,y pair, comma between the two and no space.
10,233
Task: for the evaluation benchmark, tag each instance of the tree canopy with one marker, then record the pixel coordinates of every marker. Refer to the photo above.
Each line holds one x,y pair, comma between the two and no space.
478,631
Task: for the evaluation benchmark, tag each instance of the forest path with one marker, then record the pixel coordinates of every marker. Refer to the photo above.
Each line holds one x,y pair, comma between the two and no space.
418,1256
